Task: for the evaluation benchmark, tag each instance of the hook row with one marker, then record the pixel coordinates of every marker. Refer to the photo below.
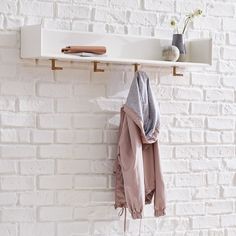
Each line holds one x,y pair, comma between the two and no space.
96,69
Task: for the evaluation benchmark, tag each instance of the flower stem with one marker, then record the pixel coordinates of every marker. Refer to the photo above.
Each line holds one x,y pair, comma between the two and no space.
186,24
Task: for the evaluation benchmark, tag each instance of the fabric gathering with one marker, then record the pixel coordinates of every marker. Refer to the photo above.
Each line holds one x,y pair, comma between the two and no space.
138,176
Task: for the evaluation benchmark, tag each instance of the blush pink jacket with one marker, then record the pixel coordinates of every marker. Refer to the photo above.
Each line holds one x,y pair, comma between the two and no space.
137,167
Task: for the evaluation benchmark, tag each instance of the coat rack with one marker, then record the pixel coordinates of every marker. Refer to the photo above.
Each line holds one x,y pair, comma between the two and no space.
121,49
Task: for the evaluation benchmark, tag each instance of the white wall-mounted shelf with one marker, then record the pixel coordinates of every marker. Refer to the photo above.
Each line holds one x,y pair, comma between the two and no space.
40,43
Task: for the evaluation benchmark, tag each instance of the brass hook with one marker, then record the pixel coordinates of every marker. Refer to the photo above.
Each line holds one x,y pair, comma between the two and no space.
136,67
53,65
95,67
175,73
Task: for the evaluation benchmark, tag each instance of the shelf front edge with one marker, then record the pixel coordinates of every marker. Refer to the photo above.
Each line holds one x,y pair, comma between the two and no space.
71,58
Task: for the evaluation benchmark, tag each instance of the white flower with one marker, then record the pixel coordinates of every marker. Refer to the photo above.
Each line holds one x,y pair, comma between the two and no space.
173,23
197,12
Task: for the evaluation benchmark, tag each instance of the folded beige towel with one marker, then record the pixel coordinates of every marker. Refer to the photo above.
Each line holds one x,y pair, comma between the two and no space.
91,49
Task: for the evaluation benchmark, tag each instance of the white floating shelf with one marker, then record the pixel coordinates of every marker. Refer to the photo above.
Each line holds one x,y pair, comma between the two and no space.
40,43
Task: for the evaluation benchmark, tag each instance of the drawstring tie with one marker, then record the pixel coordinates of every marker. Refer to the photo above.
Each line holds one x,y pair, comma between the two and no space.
139,230
120,214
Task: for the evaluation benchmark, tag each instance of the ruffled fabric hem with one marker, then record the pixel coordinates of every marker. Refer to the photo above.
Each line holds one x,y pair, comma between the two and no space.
136,215
160,212
120,205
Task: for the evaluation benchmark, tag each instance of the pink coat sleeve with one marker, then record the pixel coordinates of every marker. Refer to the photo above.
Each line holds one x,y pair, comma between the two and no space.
120,200
131,163
159,198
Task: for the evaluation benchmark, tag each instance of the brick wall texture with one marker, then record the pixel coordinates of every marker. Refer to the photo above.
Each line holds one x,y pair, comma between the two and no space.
58,131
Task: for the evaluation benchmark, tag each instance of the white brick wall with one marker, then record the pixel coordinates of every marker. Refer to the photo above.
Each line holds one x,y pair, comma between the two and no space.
58,130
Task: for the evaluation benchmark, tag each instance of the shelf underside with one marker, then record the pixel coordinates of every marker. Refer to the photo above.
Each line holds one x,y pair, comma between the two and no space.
71,58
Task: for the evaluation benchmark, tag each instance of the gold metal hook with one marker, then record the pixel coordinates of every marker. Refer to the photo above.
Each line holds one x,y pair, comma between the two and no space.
175,73
95,67
53,65
136,67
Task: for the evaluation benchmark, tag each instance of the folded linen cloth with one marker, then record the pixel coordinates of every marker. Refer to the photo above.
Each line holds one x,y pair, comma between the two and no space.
90,49
88,54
